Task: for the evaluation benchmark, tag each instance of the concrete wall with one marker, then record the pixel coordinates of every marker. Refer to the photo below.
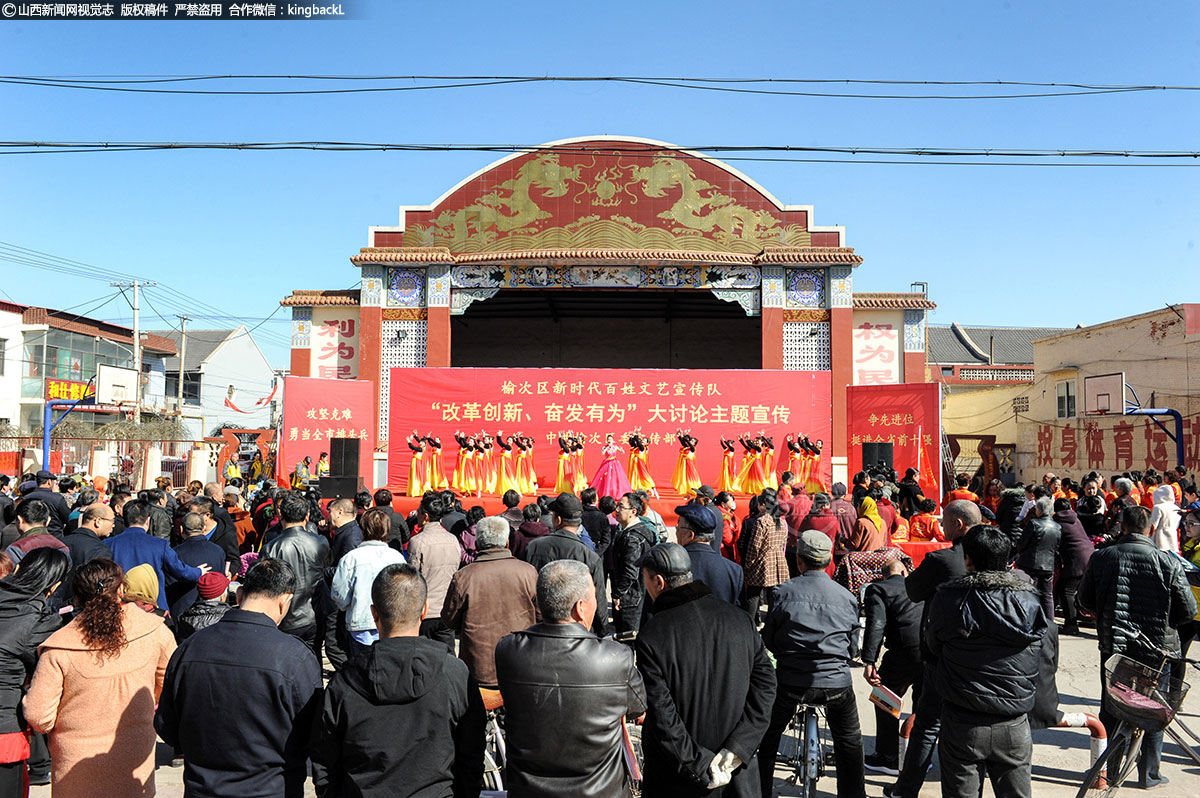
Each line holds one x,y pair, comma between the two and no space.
238,362
607,343
1161,363
982,411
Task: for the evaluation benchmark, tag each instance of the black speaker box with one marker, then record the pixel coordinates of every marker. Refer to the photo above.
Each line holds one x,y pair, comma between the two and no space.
875,453
339,487
343,457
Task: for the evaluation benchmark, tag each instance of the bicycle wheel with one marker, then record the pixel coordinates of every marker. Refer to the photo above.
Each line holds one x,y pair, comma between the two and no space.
813,756
1116,763
492,778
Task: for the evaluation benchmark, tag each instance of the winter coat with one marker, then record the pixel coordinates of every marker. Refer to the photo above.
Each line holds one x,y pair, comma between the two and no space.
812,631
492,597
823,521
241,680
764,563
352,581
938,568
893,619
201,615
846,515
987,630
523,535
700,705
1075,547
346,539
1164,519
25,622
404,719
562,544
59,511
564,721
99,713
910,497
84,547
436,554
195,550
628,548
308,554
1131,585
723,577
1038,546
1011,502
135,546
598,527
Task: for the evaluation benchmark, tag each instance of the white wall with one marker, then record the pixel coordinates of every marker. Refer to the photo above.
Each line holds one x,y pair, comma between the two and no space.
10,382
154,392
236,362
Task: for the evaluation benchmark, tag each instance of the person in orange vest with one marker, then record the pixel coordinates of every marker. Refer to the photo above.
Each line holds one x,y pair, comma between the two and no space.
1172,478
1067,491
961,491
924,525
1150,481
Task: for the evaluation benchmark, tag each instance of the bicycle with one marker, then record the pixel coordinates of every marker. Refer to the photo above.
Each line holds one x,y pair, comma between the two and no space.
804,751
1144,699
495,753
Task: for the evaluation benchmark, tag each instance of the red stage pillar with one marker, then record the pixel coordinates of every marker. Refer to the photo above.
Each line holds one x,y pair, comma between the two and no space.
437,338
370,349
772,338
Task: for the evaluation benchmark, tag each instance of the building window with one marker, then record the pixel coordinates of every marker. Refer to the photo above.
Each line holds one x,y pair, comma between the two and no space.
3,348
947,371
191,387
1066,399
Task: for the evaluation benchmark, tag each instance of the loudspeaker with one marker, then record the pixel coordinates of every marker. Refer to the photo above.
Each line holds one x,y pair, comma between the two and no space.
875,453
339,487
343,457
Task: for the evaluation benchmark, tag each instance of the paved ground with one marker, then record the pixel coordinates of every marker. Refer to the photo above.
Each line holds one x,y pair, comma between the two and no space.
1060,755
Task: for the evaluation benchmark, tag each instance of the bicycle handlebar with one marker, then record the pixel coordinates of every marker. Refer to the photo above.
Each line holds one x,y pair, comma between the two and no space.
1162,652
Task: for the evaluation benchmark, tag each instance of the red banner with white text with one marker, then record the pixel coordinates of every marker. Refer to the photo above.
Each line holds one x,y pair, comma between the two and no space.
316,410
907,416
541,403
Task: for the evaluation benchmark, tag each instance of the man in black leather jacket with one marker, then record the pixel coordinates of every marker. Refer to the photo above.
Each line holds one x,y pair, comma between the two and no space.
1038,549
630,544
565,694
307,554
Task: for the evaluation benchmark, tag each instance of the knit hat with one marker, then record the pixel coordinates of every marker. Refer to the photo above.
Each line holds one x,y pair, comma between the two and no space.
141,583
212,585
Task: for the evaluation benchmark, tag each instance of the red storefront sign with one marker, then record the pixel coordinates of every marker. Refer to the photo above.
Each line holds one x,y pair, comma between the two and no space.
541,403
317,410
907,416
68,390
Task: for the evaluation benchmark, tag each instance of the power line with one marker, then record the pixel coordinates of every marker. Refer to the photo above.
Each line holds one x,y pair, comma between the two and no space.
139,84
997,156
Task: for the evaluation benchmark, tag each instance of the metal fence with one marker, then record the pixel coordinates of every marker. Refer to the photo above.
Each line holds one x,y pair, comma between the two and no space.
126,458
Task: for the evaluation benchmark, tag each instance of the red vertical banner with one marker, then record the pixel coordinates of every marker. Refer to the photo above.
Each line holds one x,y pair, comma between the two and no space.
541,403
907,416
315,411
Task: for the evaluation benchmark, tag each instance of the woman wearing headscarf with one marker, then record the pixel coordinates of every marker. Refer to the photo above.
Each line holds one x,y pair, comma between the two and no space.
95,688
26,620
868,534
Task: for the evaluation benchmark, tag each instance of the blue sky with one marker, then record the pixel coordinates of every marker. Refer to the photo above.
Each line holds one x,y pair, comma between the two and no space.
239,230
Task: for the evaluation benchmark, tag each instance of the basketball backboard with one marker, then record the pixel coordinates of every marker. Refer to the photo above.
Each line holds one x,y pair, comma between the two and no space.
1104,394
115,385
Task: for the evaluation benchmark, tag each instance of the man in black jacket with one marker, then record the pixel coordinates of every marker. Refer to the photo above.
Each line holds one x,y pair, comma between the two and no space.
307,554
194,549
1135,589
239,697
1038,550
630,544
564,543
222,533
812,631
406,718
399,534
45,492
706,714
566,693
987,630
86,542
595,522
895,620
938,568
695,532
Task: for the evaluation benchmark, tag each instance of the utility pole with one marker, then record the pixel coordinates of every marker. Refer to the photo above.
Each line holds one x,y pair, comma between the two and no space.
183,320
136,285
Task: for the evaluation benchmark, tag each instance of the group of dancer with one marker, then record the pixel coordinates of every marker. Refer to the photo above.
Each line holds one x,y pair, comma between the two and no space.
757,469
495,464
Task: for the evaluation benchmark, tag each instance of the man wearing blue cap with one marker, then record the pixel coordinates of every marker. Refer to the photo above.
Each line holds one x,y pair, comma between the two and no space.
696,531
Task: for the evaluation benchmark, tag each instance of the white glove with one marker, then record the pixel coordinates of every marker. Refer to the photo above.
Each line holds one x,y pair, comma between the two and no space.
729,761
717,775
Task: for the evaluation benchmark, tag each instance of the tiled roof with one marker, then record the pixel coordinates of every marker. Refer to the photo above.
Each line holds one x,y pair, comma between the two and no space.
60,320
769,255
320,298
892,301
200,345
956,343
